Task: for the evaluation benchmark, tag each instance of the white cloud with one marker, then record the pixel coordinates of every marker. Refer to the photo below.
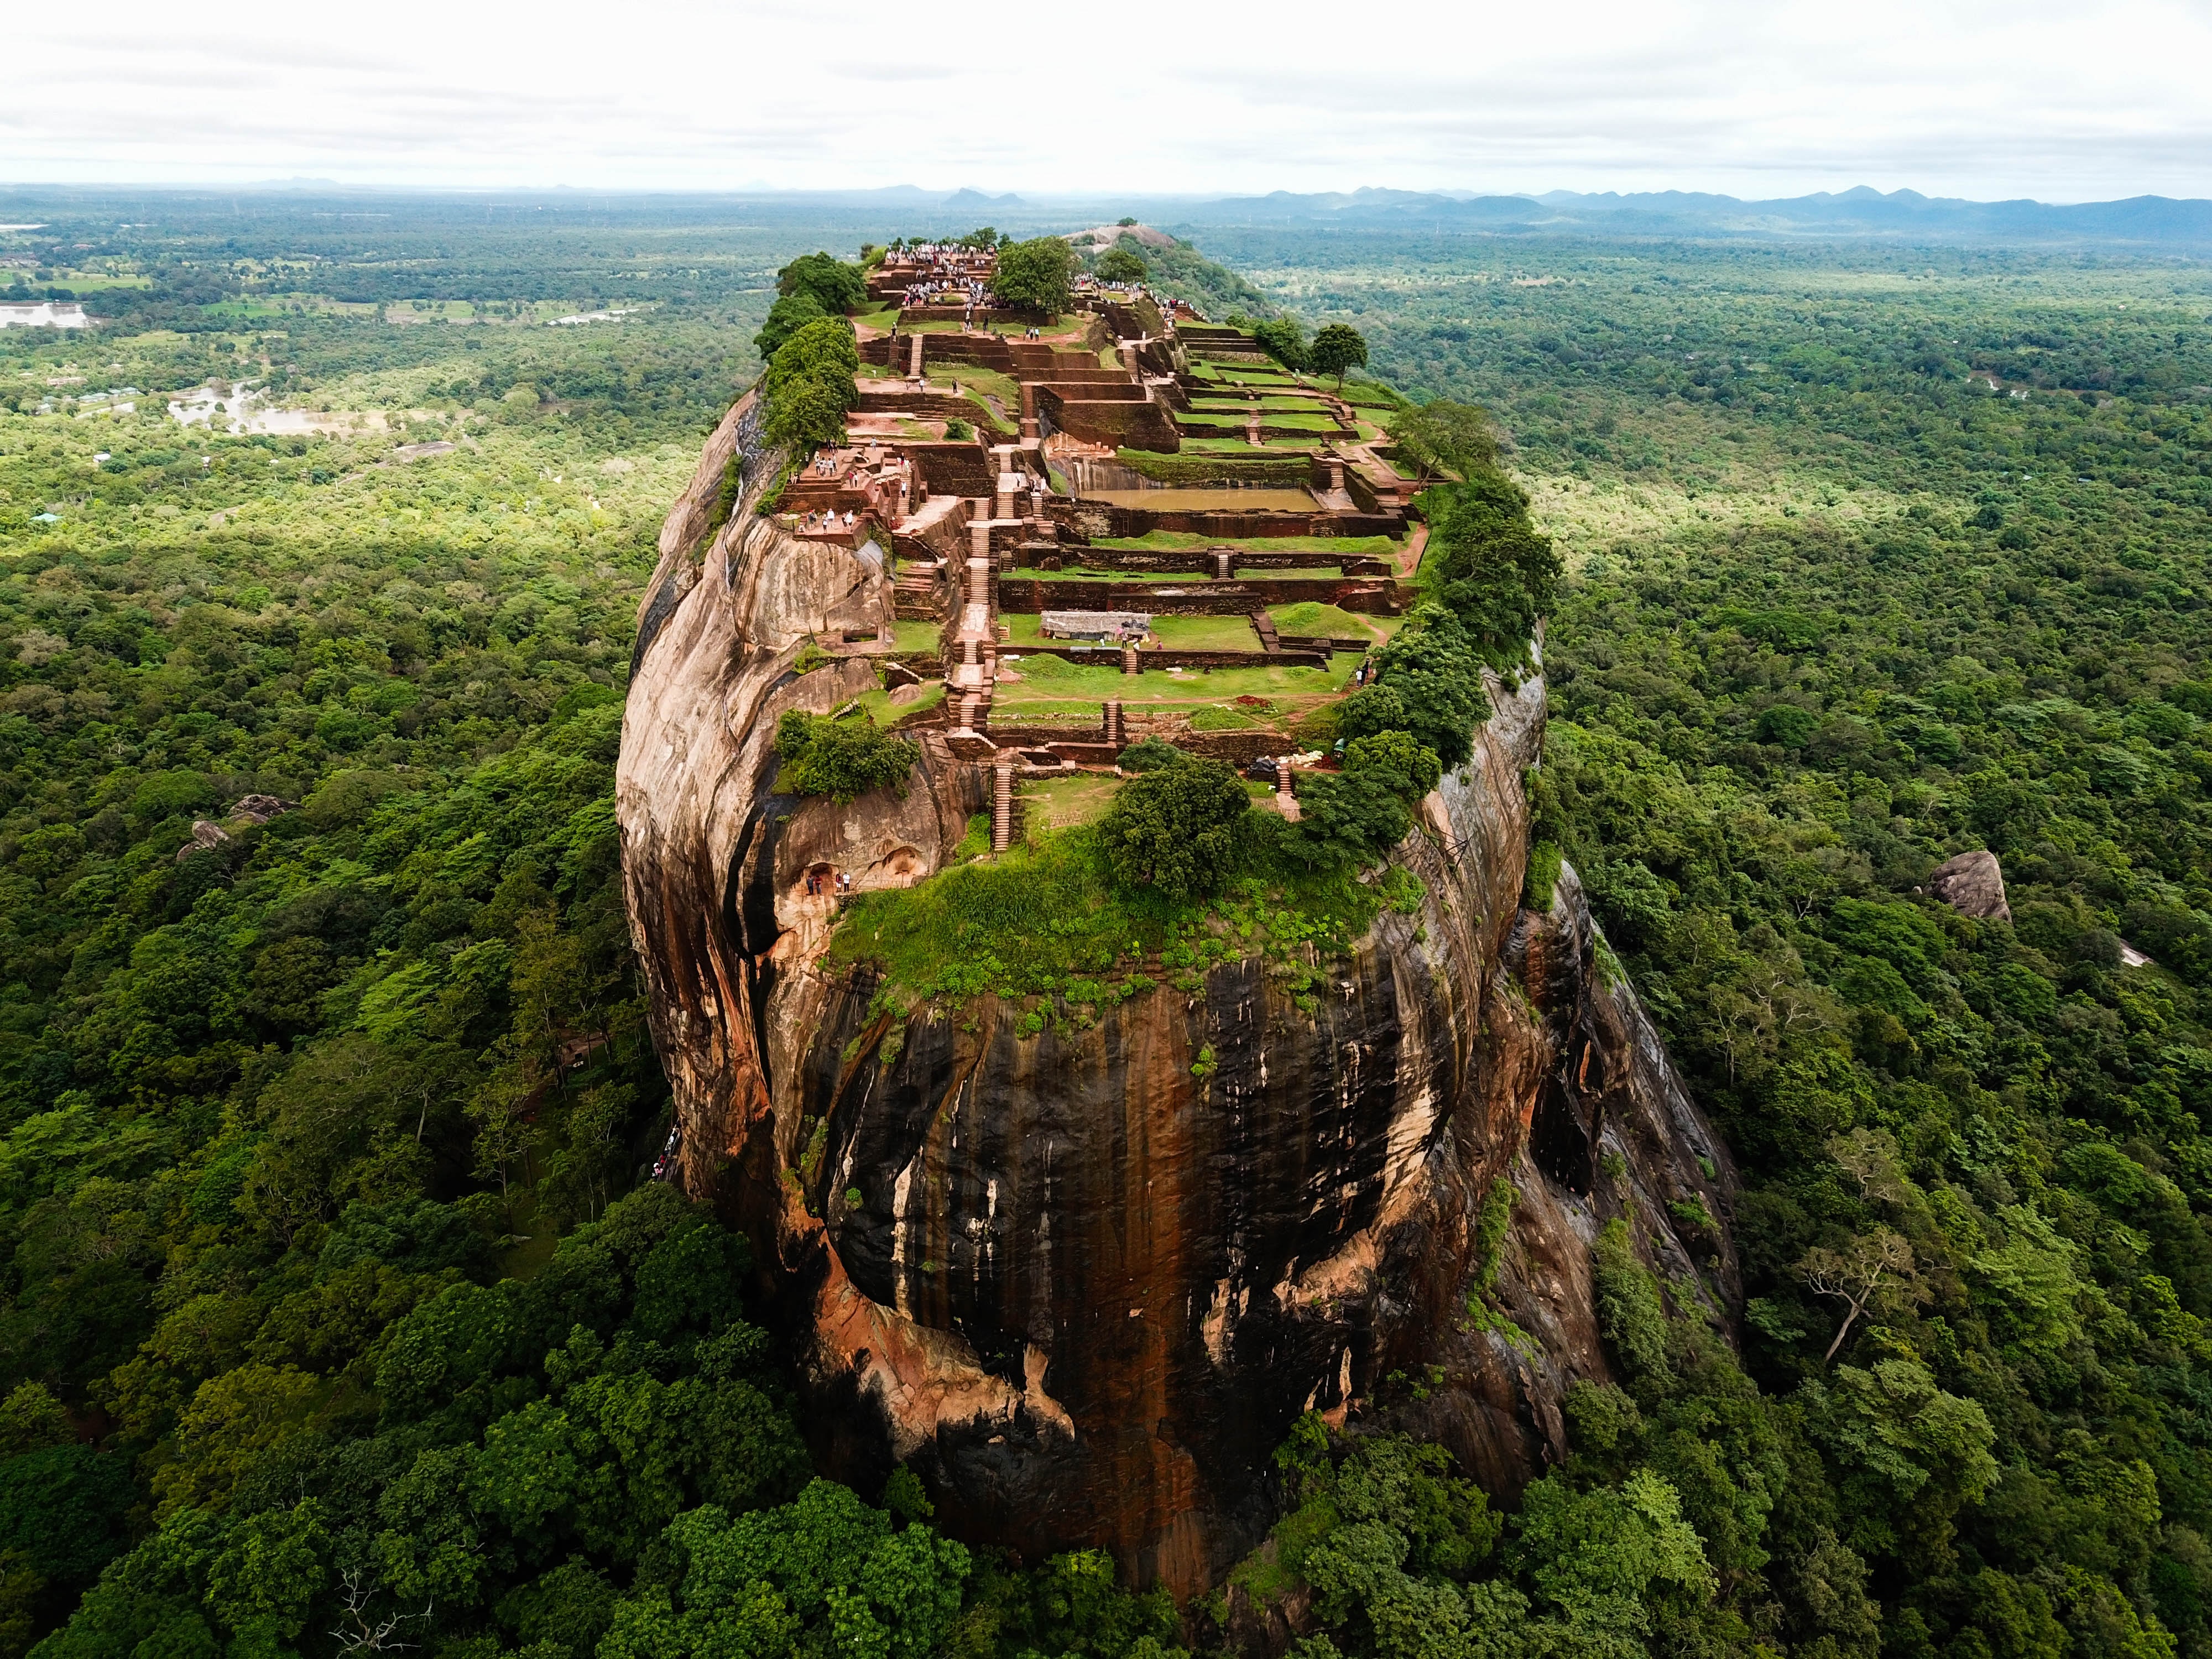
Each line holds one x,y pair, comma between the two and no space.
2060,101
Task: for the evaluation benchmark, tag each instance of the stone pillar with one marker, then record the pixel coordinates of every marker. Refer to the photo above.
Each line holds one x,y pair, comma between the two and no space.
1223,569
1002,806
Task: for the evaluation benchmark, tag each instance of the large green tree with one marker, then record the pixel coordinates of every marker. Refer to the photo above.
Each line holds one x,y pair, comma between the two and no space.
811,287
1035,274
1338,347
1176,828
809,384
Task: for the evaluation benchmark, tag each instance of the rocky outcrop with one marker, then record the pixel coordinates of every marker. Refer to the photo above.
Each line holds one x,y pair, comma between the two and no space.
1084,1281
1972,884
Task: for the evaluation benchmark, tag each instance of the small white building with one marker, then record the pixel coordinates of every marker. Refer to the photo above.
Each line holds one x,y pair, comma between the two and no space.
1104,627
43,313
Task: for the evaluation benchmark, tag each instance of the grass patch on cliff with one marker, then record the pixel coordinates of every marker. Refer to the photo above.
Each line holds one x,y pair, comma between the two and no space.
1047,919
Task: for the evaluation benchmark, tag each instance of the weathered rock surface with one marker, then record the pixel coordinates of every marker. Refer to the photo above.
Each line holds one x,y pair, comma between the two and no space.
1972,884
1083,1282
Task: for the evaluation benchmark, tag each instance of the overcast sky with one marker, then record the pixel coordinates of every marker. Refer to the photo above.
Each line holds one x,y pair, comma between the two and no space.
2065,102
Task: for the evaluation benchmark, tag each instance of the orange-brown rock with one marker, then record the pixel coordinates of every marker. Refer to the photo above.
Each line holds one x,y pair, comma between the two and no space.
1084,1283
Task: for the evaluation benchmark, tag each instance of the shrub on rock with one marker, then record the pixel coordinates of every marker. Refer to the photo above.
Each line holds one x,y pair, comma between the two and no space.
1177,828
842,759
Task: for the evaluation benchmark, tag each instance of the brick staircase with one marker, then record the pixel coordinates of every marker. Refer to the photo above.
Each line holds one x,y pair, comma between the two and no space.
917,595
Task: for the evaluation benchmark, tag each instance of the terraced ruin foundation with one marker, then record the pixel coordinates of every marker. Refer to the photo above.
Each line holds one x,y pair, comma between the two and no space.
1076,1195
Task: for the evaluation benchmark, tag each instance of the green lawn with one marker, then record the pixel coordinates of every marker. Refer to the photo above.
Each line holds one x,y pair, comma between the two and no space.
918,636
1063,803
1054,681
1239,447
1266,404
1313,618
1377,547
1085,574
1206,632
882,710
1046,919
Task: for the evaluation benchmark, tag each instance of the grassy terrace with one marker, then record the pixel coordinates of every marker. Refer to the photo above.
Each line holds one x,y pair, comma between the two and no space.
1085,573
1299,423
1205,633
1377,547
1080,688
1266,405
1239,447
882,711
1046,921
1258,377
917,636
1309,616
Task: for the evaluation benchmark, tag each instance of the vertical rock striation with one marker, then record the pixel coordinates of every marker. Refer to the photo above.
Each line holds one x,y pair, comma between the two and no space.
1084,1283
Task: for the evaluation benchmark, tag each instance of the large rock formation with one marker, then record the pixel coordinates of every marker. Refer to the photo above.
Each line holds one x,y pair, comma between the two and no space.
1972,884
1085,1283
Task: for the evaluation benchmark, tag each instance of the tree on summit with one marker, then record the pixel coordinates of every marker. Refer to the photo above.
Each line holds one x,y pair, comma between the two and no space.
1118,265
1035,274
1336,348
811,287
809,384
1177,828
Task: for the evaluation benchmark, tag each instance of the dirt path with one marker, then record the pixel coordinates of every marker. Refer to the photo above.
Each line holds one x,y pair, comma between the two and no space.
1409,560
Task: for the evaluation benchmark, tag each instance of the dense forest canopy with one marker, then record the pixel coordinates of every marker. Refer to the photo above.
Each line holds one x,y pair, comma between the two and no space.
337,1313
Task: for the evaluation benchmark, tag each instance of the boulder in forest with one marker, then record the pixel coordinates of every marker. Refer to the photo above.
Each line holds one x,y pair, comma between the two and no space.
204,835
1972,884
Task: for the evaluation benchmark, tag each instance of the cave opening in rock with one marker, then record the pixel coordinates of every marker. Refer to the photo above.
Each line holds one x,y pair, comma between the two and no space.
1556,1141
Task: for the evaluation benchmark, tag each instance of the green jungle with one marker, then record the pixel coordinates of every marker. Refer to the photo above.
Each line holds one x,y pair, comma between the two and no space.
340,1315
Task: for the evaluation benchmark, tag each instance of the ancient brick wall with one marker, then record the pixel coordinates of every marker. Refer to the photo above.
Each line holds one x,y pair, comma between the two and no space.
954,469
1143,425
1195,560
1169,657
1098,518
1231,599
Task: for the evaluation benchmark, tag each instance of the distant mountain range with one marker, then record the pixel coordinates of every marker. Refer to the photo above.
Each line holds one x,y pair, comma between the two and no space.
1902,217
1904,214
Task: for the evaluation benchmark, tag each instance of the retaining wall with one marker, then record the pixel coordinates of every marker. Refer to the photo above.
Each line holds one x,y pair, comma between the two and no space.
1091,519
1030,594
1197,561
1142,424
954,469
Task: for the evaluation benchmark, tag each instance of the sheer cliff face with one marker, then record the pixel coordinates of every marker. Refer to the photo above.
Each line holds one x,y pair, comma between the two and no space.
1084,1284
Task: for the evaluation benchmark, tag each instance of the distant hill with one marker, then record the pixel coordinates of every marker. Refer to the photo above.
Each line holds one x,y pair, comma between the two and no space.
1903,214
